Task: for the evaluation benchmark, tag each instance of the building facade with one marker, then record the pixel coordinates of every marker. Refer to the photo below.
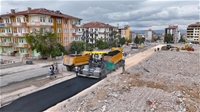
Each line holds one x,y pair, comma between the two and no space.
125,32
15,25
149,35
97,30
173,30
193,32
133,35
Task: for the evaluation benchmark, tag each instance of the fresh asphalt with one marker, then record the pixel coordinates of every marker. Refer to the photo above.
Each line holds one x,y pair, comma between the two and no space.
46,98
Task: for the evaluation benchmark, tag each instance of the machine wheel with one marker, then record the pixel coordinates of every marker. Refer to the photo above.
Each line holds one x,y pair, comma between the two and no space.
69,68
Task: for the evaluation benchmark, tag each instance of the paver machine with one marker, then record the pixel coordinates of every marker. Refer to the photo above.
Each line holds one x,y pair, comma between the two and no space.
101,64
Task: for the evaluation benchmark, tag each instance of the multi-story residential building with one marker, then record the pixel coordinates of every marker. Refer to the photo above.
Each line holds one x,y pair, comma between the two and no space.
133,35
173,30
15,25
125,32
98,30
149,34
193,32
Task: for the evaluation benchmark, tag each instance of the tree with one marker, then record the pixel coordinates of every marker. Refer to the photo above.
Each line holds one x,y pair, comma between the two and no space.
136,40
168,38
79,46
141,40
122,41
129,40
44,42
101,44
182,39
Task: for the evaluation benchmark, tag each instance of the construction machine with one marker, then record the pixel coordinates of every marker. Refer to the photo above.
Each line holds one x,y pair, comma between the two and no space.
103,63
79,60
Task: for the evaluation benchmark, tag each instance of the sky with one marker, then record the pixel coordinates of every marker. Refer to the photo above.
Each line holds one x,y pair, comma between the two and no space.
138,14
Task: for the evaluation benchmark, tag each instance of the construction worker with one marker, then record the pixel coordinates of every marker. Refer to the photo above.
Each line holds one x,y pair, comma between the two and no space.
76,70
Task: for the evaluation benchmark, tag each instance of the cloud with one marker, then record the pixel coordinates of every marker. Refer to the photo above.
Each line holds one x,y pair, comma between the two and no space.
93,11
139,14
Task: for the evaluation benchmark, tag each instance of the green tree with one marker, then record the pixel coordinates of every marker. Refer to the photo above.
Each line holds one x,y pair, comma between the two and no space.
141,40
136,40
168,38
79,46
182,39
44,42
129,40
122,40
101,44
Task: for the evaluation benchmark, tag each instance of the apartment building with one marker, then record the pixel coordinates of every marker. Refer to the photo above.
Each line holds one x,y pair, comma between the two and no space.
173,30
149,34
133,35
15,25
193,32
125,32
97,30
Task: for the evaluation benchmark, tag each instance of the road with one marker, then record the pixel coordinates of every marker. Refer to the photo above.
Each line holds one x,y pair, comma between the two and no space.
43,99
21,76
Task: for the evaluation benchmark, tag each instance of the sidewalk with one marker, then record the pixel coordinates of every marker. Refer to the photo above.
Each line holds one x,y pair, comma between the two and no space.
36,64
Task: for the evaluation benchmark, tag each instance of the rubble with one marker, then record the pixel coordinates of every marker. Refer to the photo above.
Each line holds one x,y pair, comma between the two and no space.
165,81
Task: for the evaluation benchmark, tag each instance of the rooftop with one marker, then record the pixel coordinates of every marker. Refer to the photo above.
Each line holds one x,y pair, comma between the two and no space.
97,25
172,27
42,11
196,24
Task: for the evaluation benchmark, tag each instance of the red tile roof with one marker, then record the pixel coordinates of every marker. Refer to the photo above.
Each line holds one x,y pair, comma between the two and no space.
172,27
41,11
197,24
97,25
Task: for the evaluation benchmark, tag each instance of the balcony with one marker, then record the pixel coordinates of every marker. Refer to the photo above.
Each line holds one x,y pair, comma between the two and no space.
9,44
39,24
73,34
9,34
5,24
19,24
2,34
73,25
21,45
19,34
79,33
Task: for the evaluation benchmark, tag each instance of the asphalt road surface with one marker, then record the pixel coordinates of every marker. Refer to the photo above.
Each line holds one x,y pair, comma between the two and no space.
21,76
46,98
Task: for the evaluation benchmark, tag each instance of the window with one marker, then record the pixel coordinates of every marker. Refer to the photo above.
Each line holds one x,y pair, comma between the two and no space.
58,30
50,20
9,30
40,19
59,39
65,30
65,39
18,20
7,20
58,21
24,19
65,21
3,30
43,19
25,30
21,50
19,30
